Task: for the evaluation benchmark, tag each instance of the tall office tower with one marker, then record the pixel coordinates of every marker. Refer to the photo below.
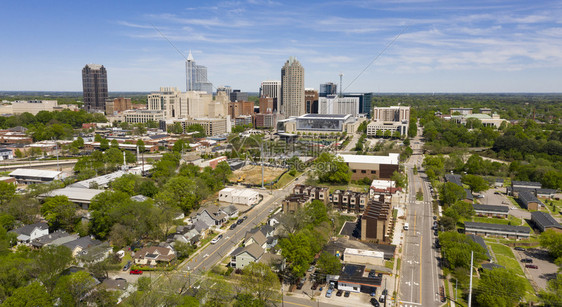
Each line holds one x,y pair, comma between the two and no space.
292,88
196,76
311,100
365,101
338,105
271,89
94,84
237,95
328,88
266,105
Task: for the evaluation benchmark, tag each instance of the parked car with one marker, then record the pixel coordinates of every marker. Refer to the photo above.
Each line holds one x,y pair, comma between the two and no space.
216,239
300,284
527,260
480,196
314,286
233,226
372,274
310,268
519,249
375,303
346,294
382,298
127,266
339,293
329,293
135,272
497,193
531,266
239,221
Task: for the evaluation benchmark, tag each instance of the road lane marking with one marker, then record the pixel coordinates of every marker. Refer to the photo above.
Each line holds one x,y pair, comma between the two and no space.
421,268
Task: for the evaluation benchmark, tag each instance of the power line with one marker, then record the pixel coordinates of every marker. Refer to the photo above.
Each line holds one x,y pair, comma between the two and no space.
378,55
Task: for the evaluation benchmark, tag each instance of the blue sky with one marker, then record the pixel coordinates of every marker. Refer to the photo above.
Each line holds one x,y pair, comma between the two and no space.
445,46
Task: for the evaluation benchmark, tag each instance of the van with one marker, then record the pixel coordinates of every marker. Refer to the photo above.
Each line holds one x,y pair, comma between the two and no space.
406,226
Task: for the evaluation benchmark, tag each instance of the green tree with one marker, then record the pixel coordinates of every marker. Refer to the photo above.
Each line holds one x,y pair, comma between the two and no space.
72,289
60,212
451,193
400,179
7,192
182,192
552,241
552,296
104,144
125,183
332,169
141,146
50,262
31,295
500,287
197,128
260,281
475,182
329,264
175,128
114,144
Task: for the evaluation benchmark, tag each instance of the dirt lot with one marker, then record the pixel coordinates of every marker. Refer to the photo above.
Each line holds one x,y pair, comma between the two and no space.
252,174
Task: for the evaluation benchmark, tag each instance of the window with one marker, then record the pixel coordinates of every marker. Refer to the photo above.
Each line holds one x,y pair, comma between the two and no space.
373,172
363,171
354,171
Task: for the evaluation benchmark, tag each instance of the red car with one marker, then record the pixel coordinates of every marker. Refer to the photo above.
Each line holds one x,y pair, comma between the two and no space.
135,272
531,266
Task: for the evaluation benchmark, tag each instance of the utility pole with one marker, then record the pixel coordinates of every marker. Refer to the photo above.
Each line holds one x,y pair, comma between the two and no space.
456,291
470,286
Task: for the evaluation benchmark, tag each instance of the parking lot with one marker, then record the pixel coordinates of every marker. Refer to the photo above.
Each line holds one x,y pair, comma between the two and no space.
546,268
497,197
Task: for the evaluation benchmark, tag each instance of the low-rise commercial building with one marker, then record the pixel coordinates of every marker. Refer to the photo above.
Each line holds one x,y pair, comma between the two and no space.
379,128
361,256
497,230
143,116
242,197
31,176
354,278
372,167
320,124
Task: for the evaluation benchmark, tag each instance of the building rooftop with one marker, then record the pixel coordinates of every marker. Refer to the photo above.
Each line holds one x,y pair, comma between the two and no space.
362,252
492,208
77,195
454,179
27,229
497,227
324,116
528,197
29,172
392,158
480,241
544,219
526,183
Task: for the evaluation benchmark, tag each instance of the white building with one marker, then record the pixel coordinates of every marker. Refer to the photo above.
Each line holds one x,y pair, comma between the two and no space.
391,114
30,176
142,116
332,104
31,232
374,127
31,106
235,196
361,256
6,154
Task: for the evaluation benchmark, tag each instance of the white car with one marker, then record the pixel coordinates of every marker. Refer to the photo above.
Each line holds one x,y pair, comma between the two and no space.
216,239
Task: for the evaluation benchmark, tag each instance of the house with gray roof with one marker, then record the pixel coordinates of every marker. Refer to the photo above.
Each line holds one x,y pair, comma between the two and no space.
544,221
243,256
480,241
31,232
500,230
255,236
211,215
55,238
81,244
491,210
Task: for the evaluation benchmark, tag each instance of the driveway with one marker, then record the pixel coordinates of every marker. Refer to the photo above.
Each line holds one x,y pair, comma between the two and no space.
490,198
546,271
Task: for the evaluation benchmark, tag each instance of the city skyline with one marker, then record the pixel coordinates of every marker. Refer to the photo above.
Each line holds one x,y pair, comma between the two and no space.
499,46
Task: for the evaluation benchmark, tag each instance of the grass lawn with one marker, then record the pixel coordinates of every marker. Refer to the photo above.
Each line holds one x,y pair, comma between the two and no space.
389,264
515,203
285,178
505,257
126,258
512,220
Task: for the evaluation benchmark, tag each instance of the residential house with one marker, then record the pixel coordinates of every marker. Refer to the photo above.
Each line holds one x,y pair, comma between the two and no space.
315,193
55,238
255,236
153,255
293,203
31,232
231,211
212,216
544,221
81,244
118,284
243,256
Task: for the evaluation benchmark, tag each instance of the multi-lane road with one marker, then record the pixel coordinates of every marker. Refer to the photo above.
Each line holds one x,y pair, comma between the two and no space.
419,276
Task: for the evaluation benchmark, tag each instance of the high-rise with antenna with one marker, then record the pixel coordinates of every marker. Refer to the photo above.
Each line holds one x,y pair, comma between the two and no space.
196,76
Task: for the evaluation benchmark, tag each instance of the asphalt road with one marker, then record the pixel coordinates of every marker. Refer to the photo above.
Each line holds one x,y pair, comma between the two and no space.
419,278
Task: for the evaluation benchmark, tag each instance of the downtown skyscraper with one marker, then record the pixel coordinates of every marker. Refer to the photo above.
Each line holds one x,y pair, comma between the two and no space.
196,76
94,85
292,88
